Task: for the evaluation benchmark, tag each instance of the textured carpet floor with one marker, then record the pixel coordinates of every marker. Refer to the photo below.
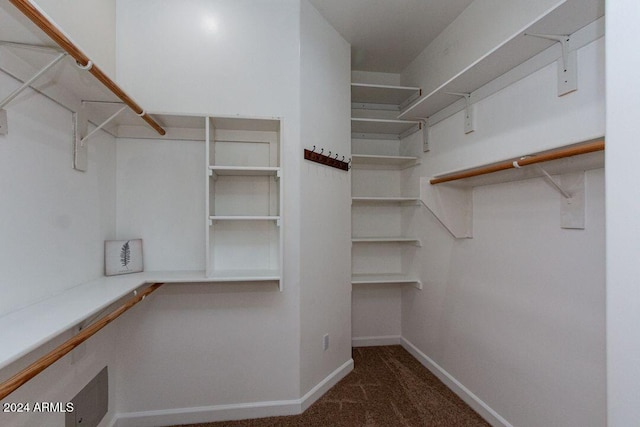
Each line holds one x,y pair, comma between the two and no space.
387,388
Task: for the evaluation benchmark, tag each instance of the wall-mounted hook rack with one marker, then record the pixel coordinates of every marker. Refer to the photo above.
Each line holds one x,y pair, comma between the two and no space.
326,160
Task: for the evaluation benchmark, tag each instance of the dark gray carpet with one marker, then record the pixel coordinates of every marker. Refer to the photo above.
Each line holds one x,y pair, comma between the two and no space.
388,387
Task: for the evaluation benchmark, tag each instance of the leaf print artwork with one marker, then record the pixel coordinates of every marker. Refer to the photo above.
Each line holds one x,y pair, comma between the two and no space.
125,254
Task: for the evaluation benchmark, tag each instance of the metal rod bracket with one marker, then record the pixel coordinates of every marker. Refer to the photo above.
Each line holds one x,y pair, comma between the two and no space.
568,69
554,183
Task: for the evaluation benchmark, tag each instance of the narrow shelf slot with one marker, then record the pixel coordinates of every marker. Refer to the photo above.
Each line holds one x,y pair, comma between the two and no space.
384,199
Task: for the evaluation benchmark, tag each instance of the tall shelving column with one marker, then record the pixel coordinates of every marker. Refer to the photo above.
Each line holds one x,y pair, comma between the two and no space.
244,200
382,146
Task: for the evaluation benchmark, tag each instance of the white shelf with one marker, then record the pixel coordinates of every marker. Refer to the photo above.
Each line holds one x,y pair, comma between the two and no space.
384,199
244,171
381,279
384,97
64,83
243,218
399,162
386,240
24,330
566,19
364,128
244,275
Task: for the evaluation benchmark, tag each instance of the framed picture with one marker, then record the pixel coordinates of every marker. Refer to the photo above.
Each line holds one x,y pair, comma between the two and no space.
122,256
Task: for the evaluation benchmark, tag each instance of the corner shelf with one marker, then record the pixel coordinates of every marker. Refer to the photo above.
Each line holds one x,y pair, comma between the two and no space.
364,128
382,97
244,171
384,200
243,218
385,279
568,18
392,162
399,239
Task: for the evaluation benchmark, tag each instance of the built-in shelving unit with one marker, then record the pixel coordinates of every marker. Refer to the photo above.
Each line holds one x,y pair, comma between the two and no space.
382,146
244,203
521,55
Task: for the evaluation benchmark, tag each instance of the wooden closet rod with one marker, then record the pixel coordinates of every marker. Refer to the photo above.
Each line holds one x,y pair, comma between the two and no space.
588,147
13,383
45,25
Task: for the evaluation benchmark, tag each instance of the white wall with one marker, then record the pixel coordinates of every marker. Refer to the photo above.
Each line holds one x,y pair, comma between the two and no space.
52,216
53,224
623,211
90,24
325,293
211,345
516,314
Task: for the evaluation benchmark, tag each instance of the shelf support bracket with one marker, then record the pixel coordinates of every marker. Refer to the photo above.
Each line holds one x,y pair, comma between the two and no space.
572,204
425,135
469,122
553,183
568,70
4,129
80,147
26,84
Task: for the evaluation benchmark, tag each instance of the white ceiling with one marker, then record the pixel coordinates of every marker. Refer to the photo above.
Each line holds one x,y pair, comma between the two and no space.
386,35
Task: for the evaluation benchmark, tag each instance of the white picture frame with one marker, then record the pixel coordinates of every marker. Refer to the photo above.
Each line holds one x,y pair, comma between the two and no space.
123,257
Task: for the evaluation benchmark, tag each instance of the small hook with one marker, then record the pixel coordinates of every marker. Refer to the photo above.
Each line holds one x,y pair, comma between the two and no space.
336,158
313,149
329,155
343,158
322,151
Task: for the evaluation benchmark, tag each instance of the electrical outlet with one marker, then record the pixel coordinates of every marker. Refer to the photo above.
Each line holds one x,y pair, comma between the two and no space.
325,342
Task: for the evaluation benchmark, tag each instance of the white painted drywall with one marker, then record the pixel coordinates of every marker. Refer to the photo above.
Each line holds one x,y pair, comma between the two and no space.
245,343
53,224
517,314
54,220
325,292
482,27
623,211
90,24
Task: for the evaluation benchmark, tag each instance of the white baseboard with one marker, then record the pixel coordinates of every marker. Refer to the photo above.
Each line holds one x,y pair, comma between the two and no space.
203,414
376,341
485,411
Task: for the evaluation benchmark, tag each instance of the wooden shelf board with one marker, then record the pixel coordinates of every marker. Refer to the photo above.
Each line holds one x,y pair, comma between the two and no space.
565,19
382,94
